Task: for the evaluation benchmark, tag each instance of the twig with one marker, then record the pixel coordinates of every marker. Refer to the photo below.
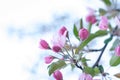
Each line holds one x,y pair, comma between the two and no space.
106,43
78,66
96,63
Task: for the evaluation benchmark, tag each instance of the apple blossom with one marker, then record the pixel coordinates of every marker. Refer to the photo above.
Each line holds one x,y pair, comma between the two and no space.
59,40
62,30
83,34
48,59
56,48
85,76
43,44
91,18
58,75
103,25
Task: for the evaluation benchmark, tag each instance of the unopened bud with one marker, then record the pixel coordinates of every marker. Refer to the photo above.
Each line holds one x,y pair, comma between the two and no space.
83,34
43,44
58,75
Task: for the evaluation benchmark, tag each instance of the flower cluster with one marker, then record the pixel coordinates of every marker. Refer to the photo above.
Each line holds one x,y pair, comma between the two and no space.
75,54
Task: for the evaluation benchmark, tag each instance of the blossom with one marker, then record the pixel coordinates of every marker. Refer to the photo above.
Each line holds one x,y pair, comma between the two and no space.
85,76
62,30
91,16
83,34
56,48
48,59
59,41
117,51
43,44
103,25
58,75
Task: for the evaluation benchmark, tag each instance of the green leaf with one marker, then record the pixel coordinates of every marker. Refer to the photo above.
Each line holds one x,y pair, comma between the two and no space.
84,61
93,71
115,60
90,38
102,11
56,65
101,68
107,2
96,71
89,70
75,31
108,40
115,43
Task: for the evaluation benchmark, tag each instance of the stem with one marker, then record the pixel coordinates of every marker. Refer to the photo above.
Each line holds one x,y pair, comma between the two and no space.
68,53
89,28
78,66
71,46
96,63
92,50
103,49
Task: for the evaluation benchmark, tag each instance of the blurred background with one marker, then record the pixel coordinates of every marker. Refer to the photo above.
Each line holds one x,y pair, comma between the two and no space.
23,23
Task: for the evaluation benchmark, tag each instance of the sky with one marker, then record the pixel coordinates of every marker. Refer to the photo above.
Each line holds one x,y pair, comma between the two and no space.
22,23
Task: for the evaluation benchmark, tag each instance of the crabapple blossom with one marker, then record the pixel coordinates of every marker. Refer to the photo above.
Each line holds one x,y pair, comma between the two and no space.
83,34
59,40
56,48
103,25
58,75
48,59
43,44
62,30
85,76
91,18
117,51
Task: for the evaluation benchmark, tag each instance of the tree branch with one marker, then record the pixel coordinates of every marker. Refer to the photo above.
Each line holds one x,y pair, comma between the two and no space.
103,49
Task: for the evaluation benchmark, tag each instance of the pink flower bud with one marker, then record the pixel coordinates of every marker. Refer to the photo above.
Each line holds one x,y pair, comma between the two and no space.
59,40
117,51
103,25
56,48
43,44
48,59
85,76
58,75
91,18
83,34
62,30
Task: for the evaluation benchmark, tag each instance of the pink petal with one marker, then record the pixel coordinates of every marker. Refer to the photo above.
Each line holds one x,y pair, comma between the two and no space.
43,44
48,59
58,75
